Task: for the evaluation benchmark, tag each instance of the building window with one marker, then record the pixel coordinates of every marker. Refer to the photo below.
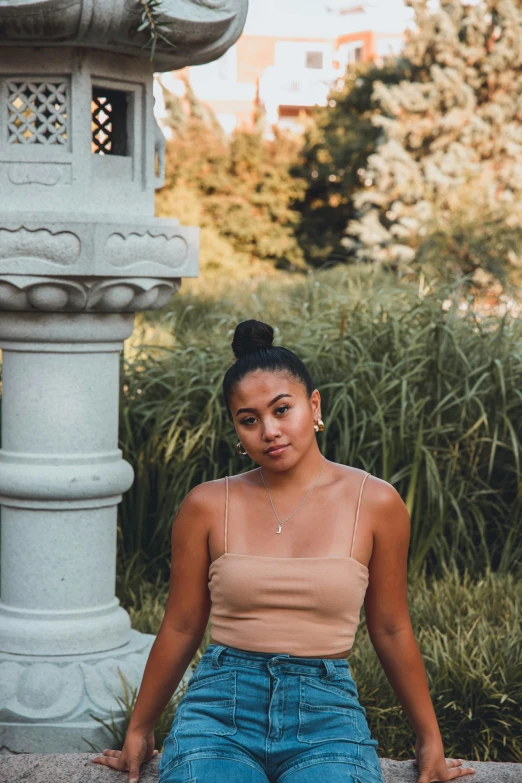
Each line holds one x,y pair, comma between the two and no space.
314,60
37,112
358,53
109,121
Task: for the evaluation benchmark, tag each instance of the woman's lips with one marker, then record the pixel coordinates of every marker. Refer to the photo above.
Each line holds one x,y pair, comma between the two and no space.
276,452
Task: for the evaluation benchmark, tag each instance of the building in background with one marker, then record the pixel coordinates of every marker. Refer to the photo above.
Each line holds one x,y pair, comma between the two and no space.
284,64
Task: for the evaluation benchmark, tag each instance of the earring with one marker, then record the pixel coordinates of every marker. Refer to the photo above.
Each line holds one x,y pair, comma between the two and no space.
319,425
239,447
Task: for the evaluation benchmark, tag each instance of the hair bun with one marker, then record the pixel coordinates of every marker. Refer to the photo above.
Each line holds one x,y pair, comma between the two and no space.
252,336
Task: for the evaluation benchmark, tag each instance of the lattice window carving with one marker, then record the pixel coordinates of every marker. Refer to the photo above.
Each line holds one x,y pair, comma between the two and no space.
109,121
37,112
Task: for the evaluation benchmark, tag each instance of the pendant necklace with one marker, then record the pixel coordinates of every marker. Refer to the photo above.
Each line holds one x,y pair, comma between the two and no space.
300,504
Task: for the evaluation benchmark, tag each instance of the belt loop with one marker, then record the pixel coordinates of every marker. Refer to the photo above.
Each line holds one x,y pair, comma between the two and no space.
276,657
330,668
215,655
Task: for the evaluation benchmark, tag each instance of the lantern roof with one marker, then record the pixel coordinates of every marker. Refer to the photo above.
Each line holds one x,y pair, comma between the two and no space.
176,32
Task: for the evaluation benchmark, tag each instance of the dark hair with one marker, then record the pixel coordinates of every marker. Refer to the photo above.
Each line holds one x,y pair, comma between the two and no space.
253,348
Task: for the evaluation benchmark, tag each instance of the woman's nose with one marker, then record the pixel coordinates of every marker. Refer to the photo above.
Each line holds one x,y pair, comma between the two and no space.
270,430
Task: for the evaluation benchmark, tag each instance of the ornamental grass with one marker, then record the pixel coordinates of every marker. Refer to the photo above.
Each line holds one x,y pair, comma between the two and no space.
417,391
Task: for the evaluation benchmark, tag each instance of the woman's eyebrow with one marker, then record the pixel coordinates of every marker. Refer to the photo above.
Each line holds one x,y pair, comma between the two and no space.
253,410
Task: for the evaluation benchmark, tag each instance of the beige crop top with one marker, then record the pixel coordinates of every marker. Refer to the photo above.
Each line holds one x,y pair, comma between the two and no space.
307,606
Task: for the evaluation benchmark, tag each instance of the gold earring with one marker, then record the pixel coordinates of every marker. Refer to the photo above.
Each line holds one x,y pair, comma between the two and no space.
238,449
319,425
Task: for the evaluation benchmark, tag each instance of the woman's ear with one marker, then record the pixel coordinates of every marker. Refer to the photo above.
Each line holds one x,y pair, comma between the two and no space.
315,399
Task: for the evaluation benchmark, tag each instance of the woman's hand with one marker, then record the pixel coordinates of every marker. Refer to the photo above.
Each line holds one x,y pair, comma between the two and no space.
433,766
137,750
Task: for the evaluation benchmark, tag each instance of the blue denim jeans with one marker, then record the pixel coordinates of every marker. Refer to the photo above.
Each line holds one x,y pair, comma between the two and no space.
253,717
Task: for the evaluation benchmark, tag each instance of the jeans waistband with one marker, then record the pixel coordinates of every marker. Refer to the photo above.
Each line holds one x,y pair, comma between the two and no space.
220,654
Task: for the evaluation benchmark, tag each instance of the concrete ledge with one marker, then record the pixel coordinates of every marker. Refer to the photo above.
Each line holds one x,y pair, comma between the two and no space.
77,768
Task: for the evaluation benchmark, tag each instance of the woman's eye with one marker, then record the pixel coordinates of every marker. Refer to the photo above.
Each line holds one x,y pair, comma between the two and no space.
282,409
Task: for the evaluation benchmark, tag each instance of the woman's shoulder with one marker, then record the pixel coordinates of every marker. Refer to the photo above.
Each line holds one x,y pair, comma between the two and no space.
212,492
378,493
206,495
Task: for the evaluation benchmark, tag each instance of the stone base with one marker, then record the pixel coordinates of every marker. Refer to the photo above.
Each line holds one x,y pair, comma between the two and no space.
77,768
46,702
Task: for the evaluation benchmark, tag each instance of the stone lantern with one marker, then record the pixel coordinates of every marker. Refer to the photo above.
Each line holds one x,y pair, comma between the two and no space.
80,253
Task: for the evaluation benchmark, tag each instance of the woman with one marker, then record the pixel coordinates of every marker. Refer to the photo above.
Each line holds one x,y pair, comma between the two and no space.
273,698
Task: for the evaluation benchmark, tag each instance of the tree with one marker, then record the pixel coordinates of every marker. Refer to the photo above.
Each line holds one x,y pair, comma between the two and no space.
238,189
337,144
450,147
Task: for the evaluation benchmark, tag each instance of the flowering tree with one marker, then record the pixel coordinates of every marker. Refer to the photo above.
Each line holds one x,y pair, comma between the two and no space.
451,141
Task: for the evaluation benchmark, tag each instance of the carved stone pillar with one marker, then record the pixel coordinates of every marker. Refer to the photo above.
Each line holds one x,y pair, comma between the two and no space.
80,253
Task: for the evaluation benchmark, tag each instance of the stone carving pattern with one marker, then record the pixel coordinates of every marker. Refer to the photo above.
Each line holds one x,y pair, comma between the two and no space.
45,690
40,173
108,122
47,294
101,125
37,112
134,248
120,249
61,248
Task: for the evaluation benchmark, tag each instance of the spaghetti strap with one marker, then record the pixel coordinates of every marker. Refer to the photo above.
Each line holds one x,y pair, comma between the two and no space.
226,510
357,512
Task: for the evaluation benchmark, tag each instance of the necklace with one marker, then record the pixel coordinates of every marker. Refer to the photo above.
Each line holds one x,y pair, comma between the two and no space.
300,504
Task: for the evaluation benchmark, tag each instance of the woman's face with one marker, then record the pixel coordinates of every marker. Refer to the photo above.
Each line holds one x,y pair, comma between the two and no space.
274,417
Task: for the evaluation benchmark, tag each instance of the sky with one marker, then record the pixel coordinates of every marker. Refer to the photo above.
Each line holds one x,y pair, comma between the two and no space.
265,16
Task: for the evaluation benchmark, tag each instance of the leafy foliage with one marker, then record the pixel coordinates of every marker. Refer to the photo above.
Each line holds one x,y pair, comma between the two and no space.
336,148
451,133
416,166
150,13
241,188
469,240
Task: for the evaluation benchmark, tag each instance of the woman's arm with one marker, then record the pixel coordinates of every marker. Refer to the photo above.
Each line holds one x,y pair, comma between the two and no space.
389,627
386,605
188,605
401,660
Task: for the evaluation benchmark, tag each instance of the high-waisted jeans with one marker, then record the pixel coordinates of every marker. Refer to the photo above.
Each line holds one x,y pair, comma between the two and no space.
253,717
